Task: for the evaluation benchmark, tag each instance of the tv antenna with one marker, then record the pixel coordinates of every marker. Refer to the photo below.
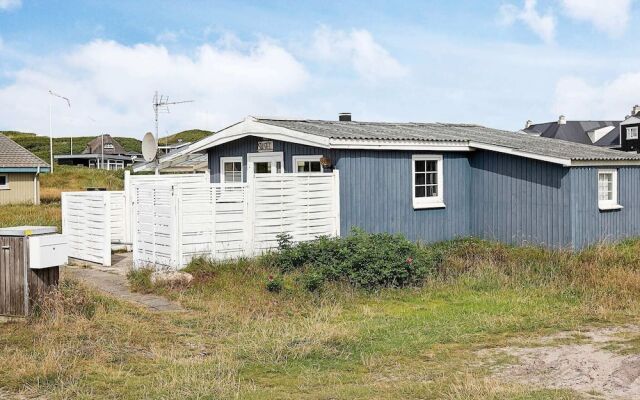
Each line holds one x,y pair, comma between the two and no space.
161,104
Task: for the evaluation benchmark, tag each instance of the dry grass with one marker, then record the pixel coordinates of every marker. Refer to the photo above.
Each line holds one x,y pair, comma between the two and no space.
70,178
29,214
240,341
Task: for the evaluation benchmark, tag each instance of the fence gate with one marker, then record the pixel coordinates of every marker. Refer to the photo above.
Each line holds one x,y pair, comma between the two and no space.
91,221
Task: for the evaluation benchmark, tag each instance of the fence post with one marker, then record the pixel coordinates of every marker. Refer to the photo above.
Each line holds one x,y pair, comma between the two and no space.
128,212
106,256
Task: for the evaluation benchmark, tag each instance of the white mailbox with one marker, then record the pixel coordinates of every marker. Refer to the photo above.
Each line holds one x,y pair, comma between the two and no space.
46,251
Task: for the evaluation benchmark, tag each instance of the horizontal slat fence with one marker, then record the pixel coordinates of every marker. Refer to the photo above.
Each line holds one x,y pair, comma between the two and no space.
175,223
86,222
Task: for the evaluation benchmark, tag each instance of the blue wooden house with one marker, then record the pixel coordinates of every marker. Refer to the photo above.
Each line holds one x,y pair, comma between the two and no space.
434,181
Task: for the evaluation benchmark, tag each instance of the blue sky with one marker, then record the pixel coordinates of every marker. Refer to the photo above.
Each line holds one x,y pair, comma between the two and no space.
496,63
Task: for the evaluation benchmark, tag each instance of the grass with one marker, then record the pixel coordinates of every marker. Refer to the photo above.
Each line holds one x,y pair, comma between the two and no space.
192,135
71,178
240,341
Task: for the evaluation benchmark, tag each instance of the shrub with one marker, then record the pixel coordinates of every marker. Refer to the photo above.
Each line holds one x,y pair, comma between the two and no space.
275,284
364,260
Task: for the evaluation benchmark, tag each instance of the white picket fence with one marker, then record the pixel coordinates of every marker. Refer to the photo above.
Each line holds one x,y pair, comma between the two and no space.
175,223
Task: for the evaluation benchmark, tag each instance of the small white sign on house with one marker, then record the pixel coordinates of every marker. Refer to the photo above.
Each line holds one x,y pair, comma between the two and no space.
265,146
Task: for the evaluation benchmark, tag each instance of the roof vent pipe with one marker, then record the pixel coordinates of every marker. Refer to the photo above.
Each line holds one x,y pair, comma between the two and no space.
528,124
345,116
635,110
562,120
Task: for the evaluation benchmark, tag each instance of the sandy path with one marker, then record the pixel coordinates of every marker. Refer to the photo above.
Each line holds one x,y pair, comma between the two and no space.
581,361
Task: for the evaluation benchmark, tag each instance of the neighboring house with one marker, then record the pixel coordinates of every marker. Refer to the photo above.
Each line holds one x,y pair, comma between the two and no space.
629,131
102,152
598,133
19,173
433,181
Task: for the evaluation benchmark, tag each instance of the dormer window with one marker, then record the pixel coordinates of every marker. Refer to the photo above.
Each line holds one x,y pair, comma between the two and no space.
108,146
632,132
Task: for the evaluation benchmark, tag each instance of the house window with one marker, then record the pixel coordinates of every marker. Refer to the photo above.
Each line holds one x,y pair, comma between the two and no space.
4,182
632,132
108,146
608,189
231,170
427,181
307,163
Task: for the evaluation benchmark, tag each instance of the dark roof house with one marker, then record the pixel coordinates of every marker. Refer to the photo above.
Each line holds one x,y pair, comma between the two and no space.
19,173
598,133
438,181
113,156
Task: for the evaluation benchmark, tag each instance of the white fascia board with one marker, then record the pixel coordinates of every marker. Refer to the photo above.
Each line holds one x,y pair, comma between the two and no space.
616,163
398,145
150,166
507,150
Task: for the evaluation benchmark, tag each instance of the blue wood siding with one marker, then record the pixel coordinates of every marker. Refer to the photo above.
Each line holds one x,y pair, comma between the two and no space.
489,195
519,200
592,225
375,189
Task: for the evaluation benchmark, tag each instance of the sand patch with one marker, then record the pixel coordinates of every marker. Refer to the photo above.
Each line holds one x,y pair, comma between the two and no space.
587,367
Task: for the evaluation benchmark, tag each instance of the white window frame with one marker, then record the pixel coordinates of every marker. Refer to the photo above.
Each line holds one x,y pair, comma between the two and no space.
631,129
6,182
295,159
613,203
224,160
427,202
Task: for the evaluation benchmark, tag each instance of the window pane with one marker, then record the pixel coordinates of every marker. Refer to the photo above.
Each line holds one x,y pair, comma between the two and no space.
300,166
262,167
420,166
315,166
420,191
420,179
431,179
431,165
3,180
237,166
228,167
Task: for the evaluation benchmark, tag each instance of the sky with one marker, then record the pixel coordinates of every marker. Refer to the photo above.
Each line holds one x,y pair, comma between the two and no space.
495,63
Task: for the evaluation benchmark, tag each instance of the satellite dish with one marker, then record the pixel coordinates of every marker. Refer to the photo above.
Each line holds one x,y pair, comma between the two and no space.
149,147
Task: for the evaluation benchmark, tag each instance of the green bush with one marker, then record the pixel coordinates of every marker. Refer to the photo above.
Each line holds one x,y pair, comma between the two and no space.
364,260
275,284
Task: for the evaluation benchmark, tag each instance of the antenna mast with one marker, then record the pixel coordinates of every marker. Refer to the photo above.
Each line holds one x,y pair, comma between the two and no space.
161,104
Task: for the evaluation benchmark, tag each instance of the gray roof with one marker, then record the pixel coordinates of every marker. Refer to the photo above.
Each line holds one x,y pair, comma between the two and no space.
576,131
12,155
443,132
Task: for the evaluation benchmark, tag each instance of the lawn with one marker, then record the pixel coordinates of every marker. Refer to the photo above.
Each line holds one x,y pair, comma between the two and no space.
239,340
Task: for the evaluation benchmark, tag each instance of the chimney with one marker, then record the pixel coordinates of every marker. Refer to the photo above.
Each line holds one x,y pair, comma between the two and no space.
562,120
345,116
528,124
635,110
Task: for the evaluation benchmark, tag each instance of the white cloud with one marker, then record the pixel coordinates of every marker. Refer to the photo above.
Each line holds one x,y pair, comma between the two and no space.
10,4
113,84
358,49
542,25
610,16
577,99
